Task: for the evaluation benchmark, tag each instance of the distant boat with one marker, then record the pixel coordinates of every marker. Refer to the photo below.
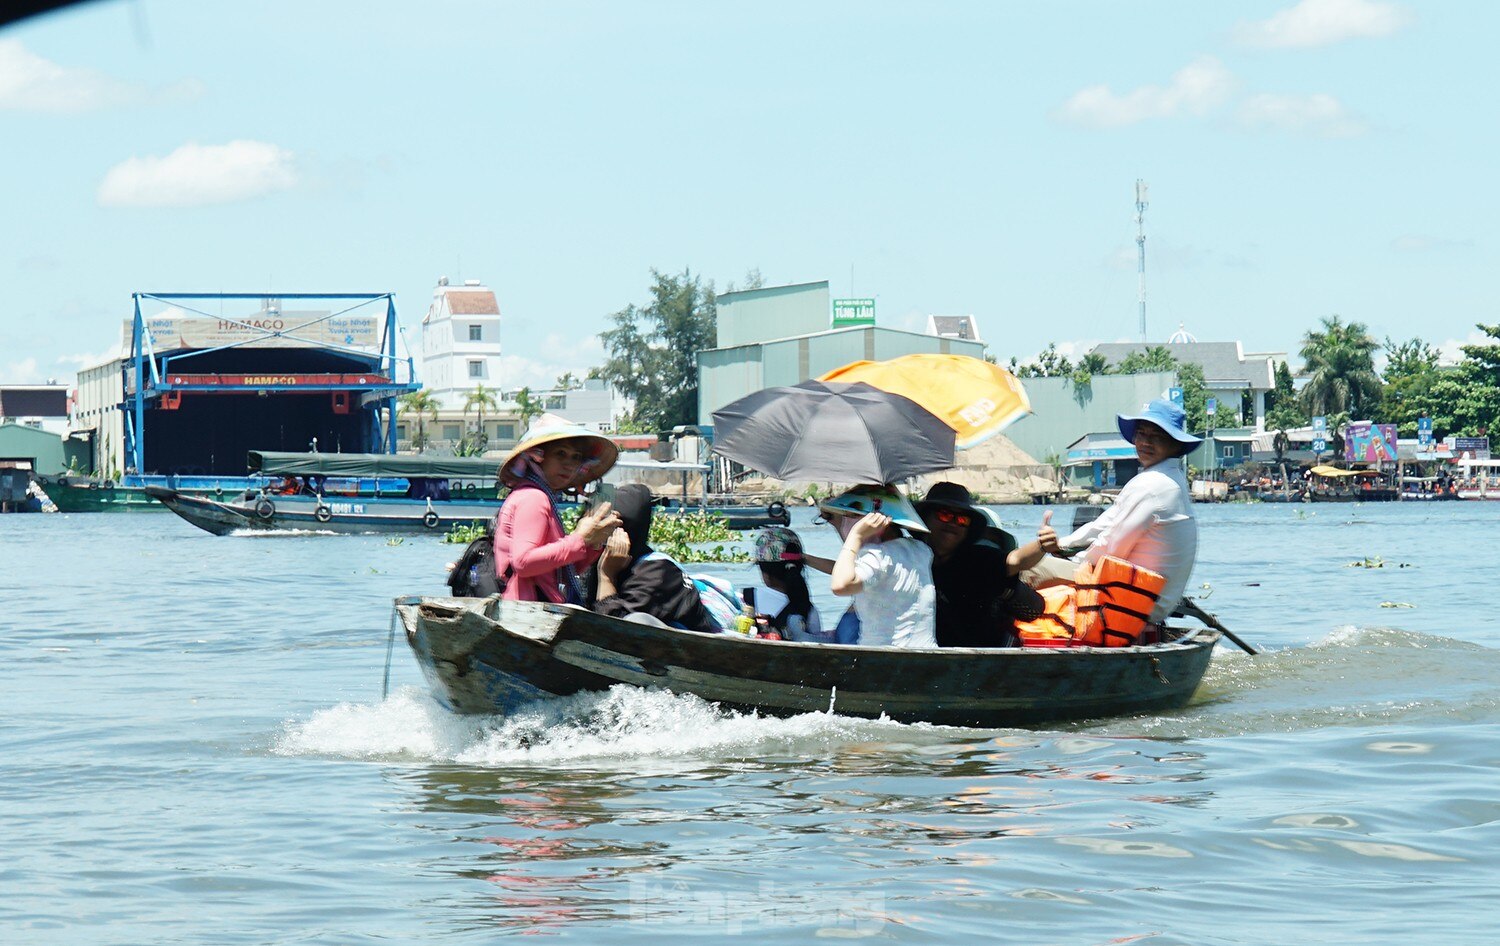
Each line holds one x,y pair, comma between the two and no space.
487,655
436,494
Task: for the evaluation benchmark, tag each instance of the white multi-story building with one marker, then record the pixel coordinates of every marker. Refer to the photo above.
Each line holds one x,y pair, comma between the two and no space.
460,342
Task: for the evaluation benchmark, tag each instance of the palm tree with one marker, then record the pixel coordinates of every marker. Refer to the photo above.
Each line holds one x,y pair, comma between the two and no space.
1147,360
1340,363
423,404
479,399
527,407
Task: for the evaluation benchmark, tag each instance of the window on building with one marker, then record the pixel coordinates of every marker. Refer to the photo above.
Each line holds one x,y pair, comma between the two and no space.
1229,451
476,369
505,431
476,333
400,431
557,402
452,432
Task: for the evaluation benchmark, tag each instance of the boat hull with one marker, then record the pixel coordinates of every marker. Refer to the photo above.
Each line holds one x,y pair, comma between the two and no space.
493,656
333,514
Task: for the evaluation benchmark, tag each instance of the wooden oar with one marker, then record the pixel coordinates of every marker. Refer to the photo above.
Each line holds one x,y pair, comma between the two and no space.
1190,608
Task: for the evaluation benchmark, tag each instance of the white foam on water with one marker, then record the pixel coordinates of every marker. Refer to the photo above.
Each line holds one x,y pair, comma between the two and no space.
623,723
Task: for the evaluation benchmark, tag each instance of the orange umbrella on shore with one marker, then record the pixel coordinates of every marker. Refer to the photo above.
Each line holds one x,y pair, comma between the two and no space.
975,398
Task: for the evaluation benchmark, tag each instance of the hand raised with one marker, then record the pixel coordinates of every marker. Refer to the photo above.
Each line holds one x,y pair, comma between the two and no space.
616,553
870,526
1046,536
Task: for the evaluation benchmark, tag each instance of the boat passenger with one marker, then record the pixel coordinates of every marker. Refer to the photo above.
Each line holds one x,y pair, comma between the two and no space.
979,597
535,559
785,600
888,575
631,579
1151,522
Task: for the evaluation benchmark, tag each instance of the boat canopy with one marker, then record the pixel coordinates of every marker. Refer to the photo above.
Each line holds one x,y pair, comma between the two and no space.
1335,471
369,464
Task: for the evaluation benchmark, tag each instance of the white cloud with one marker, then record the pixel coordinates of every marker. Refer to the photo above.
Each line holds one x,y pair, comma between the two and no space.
85,360
518,371
1452,350
196,175
1318,115
1420,243
1195,90
29,82
1323,23
585,352
21,372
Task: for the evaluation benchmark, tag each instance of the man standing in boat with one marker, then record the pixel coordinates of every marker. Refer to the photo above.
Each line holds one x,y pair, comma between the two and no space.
1151,522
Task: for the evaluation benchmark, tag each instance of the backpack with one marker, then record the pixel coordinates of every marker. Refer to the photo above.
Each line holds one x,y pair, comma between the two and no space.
715,594
473,575
718,599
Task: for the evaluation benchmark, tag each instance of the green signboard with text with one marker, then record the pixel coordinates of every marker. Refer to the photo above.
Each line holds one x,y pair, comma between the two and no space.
848,313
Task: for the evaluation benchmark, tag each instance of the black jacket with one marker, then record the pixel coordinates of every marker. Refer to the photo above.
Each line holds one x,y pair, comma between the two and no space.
650,584
978,603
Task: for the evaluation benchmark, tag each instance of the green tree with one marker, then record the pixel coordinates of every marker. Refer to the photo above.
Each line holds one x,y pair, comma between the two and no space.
420,406
1048,364
475,441
1155,358
1466,400
567,381
528,406
1194,394
1283,412
1411,371
653,349
1340,365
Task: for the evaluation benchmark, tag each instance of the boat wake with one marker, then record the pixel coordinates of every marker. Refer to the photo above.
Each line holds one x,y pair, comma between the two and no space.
1370,676
1377,677
624,723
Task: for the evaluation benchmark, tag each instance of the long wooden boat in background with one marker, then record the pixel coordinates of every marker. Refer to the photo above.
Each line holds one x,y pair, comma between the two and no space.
362,493
494,656
435,493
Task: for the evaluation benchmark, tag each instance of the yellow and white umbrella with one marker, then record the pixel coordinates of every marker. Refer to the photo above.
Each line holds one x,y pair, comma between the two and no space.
975,398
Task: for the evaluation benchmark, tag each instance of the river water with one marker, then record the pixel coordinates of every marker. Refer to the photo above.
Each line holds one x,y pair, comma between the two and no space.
194,748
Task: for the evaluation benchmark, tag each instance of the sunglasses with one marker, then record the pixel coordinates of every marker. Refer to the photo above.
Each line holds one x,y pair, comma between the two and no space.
960,519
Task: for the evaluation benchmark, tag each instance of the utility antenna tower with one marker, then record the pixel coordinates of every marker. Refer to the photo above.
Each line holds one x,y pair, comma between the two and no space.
1141,203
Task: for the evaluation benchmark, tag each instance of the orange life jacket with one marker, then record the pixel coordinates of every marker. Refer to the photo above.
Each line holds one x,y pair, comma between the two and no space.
1107,606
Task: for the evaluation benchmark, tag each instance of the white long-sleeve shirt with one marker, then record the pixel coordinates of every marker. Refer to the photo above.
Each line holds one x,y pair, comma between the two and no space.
1151,525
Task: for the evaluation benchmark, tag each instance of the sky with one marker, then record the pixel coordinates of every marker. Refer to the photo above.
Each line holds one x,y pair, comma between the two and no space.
1305,158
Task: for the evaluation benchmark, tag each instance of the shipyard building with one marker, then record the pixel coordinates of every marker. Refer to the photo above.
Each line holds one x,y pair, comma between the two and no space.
200,380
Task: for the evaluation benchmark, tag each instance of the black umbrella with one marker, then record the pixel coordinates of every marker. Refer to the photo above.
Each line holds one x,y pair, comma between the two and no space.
828,430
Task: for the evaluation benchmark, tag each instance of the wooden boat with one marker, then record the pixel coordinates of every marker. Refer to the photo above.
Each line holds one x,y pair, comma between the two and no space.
435,494
493,656
421,494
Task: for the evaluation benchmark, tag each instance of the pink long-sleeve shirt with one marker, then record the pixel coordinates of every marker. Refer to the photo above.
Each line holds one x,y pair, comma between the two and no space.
529,540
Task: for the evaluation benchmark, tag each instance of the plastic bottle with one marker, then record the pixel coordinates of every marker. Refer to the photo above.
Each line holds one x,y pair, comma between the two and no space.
745,623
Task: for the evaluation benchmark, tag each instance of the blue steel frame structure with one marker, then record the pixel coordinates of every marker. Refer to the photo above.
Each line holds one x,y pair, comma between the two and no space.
143,359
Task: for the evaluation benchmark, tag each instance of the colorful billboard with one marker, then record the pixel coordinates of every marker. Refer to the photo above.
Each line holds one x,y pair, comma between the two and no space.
1370,443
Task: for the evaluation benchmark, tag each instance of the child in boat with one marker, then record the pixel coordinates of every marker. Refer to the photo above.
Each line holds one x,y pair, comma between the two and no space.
888,575
785,600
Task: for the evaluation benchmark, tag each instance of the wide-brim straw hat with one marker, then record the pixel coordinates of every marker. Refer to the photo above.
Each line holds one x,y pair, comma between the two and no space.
549,428
955,496
1164,414
862,500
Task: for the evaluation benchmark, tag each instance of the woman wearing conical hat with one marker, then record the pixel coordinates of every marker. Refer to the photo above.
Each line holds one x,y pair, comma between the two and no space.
535,558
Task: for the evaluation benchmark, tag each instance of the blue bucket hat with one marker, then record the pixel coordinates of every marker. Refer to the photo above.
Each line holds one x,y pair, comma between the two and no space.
1164,414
